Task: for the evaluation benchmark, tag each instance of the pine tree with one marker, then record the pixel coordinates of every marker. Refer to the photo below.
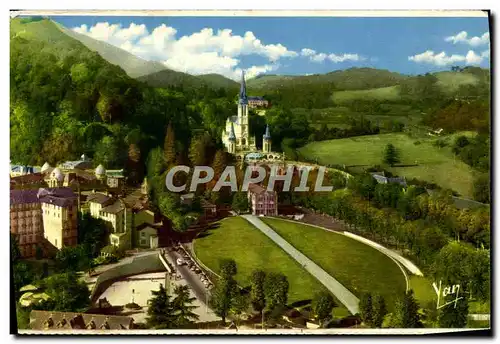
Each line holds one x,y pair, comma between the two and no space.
220,163
169,146
183,306
134,164
379,310
391,155
258,298
160,310
454,317
366,309
406,312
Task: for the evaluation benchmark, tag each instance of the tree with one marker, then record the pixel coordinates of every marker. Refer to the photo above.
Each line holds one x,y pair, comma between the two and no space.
227,268
239,305
240,202
92,234
481,188
225,289
379,310
220,163
454,317
258,297
222,297
169,147
391,155
322,306
366,309
183,306
134,165
72,258
160,310
406,312
67,293
276,290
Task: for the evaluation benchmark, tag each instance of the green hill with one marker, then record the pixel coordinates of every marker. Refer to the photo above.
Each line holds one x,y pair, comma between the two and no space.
219,81
419,158
131,64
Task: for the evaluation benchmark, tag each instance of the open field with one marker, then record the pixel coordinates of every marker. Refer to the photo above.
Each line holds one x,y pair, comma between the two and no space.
423,161
359,267
237,239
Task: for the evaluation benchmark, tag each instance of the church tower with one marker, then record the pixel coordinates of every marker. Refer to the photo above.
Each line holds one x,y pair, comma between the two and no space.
231,147
242,141
266,141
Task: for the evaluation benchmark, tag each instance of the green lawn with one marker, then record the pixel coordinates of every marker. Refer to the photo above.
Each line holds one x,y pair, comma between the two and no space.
422,289
423,161
359,267
236,238
382,93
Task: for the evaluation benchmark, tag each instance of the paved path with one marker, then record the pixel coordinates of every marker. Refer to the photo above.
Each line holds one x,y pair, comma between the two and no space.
342,293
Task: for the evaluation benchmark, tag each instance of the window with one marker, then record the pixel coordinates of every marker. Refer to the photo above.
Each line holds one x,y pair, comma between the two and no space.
143,234
143,242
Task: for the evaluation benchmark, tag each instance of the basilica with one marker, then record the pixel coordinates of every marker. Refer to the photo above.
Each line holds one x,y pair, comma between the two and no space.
236,136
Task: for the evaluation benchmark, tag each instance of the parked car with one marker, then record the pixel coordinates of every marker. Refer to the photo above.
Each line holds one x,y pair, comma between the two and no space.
180,261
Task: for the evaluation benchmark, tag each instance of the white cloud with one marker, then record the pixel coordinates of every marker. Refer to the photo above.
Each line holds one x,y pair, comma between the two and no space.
442,59
201,52
321,57
345,57
462,37
307,52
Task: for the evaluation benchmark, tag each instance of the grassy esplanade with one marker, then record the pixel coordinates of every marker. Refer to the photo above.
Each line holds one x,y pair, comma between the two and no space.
237,239
419,158
359,267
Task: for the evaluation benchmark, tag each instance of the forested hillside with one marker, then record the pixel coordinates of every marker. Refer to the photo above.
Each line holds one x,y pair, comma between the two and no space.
67,100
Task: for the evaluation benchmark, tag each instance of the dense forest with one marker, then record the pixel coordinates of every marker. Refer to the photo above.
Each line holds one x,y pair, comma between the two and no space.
66,100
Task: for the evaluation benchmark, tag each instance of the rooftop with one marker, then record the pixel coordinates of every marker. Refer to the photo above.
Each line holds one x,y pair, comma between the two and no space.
114,208
58,196
48,320
98,198
256,188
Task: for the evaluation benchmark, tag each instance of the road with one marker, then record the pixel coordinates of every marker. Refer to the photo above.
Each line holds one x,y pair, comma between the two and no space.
190,277
347,298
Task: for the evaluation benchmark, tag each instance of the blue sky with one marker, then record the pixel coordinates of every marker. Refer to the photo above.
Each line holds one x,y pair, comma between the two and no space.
294,45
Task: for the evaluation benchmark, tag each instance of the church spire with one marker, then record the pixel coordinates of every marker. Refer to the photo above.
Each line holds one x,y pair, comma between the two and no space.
243,90
267,134
232,136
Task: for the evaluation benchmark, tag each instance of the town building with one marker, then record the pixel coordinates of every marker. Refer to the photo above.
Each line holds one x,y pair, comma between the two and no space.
382,179
45,213
50,321
261,201
257,102
26,222
21,170
28,181
115,213
60,216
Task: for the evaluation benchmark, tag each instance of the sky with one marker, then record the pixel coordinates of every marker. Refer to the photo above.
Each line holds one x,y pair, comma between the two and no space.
294,45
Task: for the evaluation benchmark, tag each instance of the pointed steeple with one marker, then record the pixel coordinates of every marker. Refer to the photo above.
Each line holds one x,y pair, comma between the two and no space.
232,136
243,90
267,134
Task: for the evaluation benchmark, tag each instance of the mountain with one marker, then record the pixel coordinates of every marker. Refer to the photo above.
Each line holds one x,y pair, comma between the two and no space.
134,66
219,81
348,79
